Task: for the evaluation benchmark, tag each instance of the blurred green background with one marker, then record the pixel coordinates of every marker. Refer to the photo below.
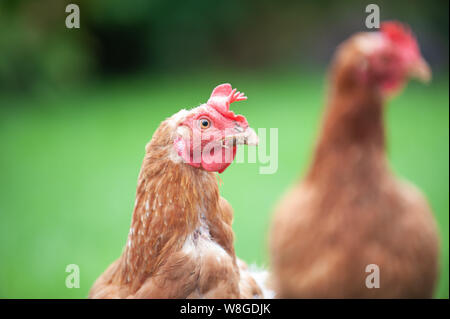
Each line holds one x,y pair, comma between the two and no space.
78,106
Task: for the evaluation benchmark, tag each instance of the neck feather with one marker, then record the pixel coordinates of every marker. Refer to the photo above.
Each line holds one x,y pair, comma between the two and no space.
170,200
352,135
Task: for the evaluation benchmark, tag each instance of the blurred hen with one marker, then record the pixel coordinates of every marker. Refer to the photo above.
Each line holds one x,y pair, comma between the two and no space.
350,211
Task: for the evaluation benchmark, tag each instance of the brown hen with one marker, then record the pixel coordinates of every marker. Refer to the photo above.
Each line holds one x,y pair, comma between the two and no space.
350,213
180,243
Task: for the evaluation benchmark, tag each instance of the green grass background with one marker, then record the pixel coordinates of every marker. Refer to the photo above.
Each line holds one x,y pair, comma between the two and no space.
69,164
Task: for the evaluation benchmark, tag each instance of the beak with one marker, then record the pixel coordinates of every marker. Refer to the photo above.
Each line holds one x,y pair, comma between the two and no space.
247,137
421,71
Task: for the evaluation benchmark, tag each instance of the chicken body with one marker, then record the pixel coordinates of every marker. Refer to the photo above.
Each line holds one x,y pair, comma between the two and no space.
350,212
180,243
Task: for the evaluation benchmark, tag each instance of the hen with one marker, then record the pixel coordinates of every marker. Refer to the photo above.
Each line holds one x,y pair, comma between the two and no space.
180,243
350,211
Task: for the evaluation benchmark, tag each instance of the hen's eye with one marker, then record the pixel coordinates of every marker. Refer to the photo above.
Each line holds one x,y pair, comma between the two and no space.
204,123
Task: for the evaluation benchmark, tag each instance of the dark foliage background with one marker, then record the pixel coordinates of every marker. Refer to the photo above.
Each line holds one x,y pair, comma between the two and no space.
144,36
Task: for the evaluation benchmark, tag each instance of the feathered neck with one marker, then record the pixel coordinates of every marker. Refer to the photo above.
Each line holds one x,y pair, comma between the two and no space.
171,198
352,134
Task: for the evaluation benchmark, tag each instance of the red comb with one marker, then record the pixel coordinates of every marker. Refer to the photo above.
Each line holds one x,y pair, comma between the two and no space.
221,98
400,35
